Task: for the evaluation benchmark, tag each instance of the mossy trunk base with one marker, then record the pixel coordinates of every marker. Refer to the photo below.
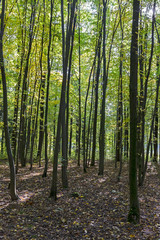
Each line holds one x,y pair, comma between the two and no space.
134,216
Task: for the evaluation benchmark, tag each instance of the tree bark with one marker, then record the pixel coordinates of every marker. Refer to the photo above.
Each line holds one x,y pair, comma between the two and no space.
47,93
61,116
134,212
13,193
96,98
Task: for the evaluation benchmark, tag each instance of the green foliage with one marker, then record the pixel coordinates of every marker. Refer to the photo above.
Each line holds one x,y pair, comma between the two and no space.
16,43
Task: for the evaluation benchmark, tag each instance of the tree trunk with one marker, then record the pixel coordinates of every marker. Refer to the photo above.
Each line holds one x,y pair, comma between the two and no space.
134,212
22,133
155,158
152,123
105,81
96,99
68,87
61,116
13,193
141,174
84,119
120,103
42,87
47,93
70,136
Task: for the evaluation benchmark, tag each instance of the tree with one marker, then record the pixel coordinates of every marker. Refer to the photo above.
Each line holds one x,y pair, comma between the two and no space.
47,91
13,193
61,116
42,88
134,212
120,99
96,97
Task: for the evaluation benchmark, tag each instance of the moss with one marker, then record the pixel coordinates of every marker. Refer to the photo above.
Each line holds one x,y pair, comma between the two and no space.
134,216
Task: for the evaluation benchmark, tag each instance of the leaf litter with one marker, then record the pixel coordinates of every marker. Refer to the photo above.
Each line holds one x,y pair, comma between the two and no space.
93,207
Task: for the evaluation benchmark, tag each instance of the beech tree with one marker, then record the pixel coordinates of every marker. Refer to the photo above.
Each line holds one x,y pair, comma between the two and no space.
12,186
66,66
134,212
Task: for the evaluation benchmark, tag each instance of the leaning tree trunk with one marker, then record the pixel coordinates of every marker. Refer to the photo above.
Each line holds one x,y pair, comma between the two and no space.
88,144
13,193
42,87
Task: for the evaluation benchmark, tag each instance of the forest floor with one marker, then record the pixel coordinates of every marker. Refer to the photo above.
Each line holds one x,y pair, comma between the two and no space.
97,211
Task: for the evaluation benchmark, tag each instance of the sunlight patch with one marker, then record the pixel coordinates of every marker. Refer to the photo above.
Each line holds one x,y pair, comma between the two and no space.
25,196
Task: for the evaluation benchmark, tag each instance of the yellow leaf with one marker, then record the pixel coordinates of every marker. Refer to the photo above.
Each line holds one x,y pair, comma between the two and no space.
63,220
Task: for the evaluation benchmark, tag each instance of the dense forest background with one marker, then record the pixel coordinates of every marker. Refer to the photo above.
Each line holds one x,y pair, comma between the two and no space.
79,84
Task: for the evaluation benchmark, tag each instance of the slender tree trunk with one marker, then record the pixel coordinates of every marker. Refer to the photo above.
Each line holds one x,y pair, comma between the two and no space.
105,81
13,193
152,123
68,86
2,142
120,100
84,119
134,212
88,147
151,151
22,133
41,120
79,92
70,136
140,136
155,159
16,106
126,134
102,121
96,98
17,88
34,133
43,77
145,99
47,93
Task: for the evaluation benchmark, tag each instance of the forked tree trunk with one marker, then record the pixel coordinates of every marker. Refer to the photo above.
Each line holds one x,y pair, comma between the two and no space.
61,116
105,81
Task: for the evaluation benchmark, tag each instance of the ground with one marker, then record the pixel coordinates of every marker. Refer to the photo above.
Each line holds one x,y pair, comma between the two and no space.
93,207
